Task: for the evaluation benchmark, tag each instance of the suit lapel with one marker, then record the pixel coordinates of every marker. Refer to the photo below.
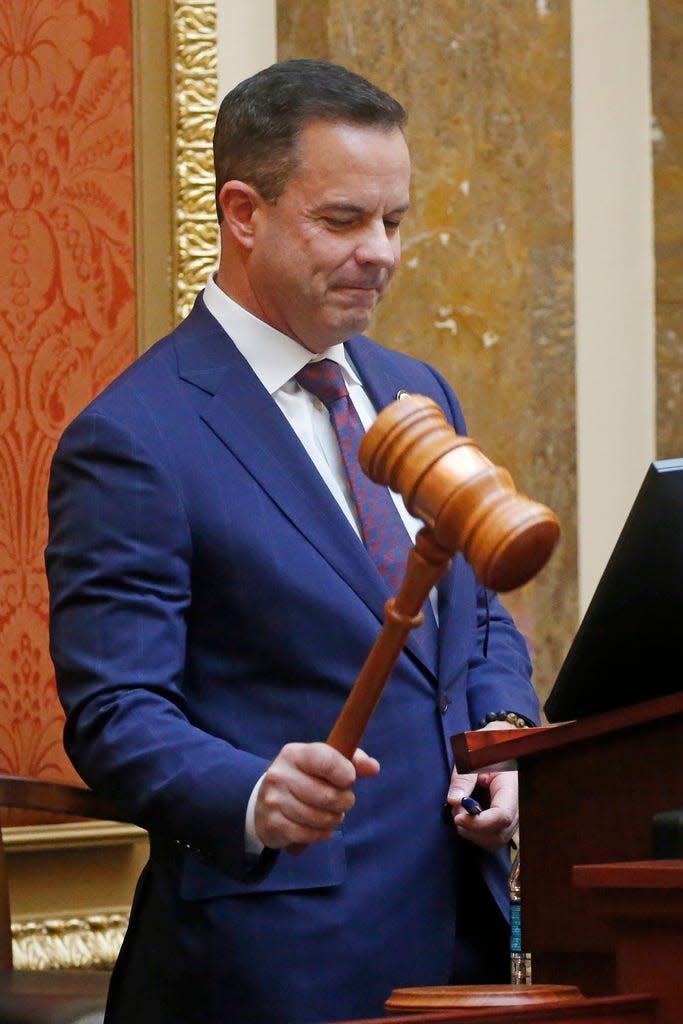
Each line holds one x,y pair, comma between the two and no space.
250,424
375,366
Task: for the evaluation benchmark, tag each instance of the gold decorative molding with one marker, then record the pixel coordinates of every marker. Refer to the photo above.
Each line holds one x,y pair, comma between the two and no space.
68,835
91,942
194,91
61,918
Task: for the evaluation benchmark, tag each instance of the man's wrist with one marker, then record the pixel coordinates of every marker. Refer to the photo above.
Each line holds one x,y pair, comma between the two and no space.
511,717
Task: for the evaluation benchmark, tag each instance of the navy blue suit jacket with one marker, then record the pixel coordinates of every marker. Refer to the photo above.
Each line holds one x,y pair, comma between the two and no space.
209,603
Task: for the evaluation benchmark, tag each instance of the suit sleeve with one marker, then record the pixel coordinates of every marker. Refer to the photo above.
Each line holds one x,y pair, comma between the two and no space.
119,563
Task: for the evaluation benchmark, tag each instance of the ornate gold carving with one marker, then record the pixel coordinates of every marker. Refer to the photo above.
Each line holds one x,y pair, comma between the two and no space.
194,92
76,942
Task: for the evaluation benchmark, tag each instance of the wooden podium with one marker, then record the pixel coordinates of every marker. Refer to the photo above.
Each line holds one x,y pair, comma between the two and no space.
597,911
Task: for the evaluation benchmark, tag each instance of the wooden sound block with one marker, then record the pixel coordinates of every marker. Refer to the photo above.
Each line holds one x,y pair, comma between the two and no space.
452,997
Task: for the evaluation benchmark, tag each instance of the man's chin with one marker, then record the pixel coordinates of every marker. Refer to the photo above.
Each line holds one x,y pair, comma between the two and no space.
334,334
357,315
358,323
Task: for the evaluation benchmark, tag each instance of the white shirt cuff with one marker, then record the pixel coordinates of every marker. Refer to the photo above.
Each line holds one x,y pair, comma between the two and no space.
252,843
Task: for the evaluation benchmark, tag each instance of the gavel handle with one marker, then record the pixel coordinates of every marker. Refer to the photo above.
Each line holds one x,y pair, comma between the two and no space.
427,563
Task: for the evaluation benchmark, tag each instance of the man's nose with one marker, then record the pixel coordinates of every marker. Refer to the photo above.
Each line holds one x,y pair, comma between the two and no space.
378,246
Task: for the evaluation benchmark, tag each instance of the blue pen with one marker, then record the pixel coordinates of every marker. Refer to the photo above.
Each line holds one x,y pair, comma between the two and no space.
471,805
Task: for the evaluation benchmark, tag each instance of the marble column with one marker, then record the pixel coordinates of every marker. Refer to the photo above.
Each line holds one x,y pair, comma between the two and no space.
485,288
666,25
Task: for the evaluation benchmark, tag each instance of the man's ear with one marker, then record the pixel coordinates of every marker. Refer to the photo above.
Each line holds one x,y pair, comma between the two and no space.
239,202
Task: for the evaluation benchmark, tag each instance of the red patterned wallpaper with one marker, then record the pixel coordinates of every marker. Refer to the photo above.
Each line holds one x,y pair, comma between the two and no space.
67,307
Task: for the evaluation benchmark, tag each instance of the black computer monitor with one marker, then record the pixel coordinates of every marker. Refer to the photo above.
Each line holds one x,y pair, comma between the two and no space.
629,645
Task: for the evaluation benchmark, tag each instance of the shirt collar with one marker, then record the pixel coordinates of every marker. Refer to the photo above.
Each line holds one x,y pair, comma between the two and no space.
273,356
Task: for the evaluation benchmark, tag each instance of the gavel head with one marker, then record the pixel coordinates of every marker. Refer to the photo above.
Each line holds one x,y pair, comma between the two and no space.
468,504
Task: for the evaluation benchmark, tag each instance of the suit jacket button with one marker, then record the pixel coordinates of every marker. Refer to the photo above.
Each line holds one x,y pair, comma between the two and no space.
444,703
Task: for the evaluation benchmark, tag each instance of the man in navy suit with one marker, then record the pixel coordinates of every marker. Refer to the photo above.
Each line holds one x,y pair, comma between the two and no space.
212,604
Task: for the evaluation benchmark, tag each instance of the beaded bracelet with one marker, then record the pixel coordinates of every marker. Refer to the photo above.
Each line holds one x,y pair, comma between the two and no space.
519,721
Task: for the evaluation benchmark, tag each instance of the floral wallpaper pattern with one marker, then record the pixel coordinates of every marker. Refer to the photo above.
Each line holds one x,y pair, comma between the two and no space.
67,307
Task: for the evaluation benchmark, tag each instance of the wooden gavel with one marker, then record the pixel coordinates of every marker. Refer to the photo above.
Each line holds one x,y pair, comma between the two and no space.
467,505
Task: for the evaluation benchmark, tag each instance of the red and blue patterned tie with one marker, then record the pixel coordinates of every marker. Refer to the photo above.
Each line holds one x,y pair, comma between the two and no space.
381,526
